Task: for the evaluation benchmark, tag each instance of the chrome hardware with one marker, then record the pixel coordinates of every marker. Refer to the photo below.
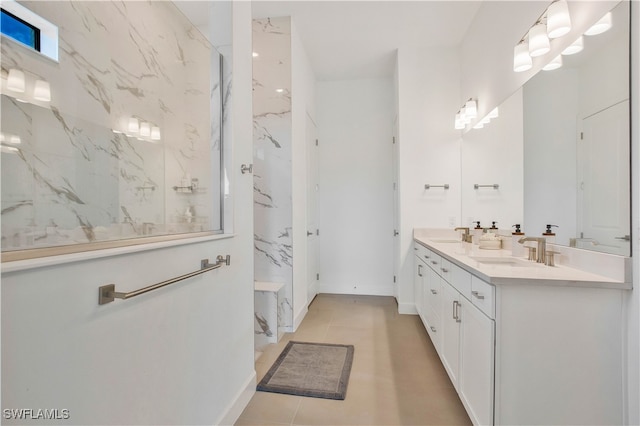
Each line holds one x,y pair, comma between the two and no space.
107,293
309,233
626,238
542,247
428,186
395,233
426,257
246,169
419,270
433,329
477,295
445,270
456,315
493,185
532,253
433,291
434,262
454,310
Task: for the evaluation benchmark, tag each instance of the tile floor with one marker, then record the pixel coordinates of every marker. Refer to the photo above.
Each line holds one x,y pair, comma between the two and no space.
396,378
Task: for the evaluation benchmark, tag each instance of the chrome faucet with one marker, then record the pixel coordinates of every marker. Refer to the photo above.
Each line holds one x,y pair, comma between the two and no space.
542,247
466,237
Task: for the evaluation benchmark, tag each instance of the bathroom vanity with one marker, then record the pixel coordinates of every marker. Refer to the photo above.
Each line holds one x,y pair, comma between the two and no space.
522,342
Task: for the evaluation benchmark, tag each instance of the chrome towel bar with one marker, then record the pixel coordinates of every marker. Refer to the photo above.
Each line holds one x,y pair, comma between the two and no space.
107,293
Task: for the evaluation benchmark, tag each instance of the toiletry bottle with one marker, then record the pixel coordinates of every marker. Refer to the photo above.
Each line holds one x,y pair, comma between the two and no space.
476,233
517,249
549,235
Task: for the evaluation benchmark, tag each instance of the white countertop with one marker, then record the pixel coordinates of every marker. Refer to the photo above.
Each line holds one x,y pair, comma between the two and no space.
531,273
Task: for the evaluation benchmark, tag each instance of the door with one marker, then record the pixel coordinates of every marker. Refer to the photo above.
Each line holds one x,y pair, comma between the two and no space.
451,331
313,268
477,364
396,209
603,167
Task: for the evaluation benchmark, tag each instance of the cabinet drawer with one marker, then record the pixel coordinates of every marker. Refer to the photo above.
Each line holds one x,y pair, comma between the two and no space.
482,296
460,280
445,269
434,261
434,328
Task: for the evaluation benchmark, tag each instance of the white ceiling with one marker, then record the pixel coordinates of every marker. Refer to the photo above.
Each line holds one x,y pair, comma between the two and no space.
358,39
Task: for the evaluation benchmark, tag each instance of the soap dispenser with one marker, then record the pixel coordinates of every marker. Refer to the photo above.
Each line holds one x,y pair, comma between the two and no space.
517,249
549,235
476,233
493,228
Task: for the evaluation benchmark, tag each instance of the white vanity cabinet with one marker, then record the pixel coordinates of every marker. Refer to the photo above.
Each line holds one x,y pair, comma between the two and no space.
527,349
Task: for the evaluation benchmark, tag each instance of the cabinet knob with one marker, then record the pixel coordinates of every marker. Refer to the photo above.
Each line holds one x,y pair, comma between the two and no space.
445,270
433,291
434,262
433,329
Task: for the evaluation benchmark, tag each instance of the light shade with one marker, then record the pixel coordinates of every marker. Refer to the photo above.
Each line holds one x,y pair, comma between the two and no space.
486,120
470,109
42,91
155,133
575,47
15,139
554,64
15,80
558,19
538,40
145,129
480,125
601,26
134,125
494,113
521,59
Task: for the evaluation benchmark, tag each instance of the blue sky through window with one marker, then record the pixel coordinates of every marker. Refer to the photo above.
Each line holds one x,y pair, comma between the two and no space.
19,30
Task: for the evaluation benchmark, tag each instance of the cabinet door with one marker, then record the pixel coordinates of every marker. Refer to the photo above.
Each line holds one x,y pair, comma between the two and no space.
477,345
432,307
418,279
450,317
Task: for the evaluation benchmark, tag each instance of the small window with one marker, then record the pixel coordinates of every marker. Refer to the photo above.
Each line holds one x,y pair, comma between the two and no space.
20,30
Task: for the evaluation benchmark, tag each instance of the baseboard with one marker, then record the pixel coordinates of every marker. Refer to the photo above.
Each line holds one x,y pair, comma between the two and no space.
237,406
299,317
407,308
359,290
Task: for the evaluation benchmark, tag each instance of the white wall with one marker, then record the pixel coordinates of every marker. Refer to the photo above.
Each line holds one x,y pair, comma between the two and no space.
355,120
428,88
179,355
493,155
303,83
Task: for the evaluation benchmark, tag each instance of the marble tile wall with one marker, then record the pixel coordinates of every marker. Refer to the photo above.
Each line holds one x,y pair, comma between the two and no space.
72,178
272,157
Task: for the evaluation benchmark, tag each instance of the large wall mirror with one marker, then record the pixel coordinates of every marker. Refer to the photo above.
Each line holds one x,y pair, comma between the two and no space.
573,125
576,144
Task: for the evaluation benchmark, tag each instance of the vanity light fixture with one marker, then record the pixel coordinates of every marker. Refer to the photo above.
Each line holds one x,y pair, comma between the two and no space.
554,64
521,59
470,109
15,80
459,122
494,113
601,26
558,19
480,125
575,47
42,91
538,40
465,114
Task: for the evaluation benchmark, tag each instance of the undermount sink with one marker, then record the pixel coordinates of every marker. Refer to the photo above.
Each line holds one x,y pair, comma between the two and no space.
440,240
501,261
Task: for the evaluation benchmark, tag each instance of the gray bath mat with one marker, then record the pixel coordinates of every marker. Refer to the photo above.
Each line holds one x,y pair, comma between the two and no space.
319,370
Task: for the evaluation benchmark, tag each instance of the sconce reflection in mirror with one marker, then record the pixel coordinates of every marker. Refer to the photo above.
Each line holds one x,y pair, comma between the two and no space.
18,82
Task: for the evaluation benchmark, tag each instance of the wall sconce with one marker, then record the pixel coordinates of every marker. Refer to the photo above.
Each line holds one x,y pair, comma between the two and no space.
145,129
16,80
538,40
134,126
141,130
155,133
558,19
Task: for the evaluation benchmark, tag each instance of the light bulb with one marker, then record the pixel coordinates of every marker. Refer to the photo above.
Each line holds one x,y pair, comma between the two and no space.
601,26
15,80
575,47
521,59
554,64
558,19
42,91
538,40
